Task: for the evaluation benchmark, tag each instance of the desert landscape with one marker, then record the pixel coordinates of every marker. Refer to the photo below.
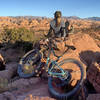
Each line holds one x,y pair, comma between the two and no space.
18,35
40,25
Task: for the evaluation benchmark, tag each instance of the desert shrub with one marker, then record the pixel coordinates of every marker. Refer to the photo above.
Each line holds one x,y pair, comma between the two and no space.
17,34
19,37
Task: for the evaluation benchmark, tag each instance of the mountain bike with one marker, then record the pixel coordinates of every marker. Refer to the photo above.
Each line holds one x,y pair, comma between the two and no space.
61,74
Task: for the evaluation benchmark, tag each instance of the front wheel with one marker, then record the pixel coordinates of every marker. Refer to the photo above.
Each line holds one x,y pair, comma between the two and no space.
62,90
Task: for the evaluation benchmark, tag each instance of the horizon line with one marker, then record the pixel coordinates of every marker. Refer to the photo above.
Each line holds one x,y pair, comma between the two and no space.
48,17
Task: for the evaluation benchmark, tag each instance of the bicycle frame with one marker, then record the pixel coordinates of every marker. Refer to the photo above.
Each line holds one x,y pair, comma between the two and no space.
54,74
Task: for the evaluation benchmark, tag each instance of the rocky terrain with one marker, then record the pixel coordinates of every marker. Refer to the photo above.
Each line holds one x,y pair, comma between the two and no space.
86,41
41,25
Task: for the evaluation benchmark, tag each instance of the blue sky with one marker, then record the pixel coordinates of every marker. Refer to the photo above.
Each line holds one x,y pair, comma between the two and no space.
80,8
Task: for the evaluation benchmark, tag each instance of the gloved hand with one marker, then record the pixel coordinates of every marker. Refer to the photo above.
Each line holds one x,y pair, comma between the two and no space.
46,40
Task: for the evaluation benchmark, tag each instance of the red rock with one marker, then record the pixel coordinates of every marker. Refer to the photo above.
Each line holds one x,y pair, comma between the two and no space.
86,53
93,97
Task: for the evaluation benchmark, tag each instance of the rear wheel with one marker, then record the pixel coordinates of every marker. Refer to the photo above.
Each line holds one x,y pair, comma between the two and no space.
30,64
64,89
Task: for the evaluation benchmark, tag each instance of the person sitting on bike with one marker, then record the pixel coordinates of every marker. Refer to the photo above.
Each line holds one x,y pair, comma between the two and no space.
58,29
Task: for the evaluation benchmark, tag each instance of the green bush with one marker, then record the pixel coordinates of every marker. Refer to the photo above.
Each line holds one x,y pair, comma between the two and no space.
17,34
19,37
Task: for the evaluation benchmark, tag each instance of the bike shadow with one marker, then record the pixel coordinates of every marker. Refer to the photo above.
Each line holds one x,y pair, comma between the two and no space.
92,60
88,57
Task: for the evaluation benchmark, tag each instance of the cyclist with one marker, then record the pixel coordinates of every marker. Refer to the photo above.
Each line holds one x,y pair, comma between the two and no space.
58,29
57,26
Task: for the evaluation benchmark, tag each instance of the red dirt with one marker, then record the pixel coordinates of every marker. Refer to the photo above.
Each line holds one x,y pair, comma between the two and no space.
35,87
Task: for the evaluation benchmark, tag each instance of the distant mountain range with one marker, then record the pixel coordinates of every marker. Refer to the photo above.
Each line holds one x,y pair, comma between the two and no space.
69,17
94,18
89,18
72,17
